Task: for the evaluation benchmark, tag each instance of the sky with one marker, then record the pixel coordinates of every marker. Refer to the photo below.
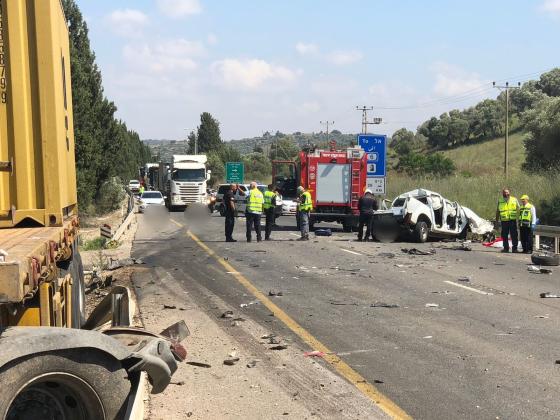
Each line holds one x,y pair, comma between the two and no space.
287,65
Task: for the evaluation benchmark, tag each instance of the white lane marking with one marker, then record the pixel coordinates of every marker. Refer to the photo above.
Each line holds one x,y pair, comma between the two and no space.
468,288
352,252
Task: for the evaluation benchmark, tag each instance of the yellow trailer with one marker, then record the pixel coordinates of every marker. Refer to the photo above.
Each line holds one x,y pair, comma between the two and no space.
48,370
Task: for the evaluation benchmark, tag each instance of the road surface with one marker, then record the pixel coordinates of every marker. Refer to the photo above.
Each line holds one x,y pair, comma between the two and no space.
443,348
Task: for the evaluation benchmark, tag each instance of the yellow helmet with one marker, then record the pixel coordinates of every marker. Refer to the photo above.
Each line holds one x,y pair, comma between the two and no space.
525,197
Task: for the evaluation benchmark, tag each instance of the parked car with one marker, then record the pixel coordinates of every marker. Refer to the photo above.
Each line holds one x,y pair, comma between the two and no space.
425,214
289,207
149,199
134,186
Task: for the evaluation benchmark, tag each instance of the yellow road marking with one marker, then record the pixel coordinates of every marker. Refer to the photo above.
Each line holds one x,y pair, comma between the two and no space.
176,222
371,392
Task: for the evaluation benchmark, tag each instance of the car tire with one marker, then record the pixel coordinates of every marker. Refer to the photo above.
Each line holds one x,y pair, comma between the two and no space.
546,259
420,232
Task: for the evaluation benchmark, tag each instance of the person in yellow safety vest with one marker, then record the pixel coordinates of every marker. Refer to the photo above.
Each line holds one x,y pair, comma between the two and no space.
305,205
141,189
269,210
253,211
527,223
507,214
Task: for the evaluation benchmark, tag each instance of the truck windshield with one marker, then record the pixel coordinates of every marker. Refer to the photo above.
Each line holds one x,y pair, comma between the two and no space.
189,175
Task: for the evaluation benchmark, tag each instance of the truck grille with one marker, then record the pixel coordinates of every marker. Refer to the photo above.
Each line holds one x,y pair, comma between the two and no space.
189,194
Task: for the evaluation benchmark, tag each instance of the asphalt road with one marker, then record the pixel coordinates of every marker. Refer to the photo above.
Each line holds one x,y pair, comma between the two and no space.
483,348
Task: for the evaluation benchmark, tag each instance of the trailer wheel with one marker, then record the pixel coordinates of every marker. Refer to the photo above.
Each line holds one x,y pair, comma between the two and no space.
74,267
421,232
65,385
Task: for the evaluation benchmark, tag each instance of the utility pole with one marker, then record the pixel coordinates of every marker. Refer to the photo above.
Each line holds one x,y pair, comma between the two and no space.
507,88
327,123
365,122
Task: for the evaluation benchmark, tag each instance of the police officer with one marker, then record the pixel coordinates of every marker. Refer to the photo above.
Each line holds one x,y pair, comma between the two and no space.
367,204
253,211
269,210
305,206
527,223
229,210
507,214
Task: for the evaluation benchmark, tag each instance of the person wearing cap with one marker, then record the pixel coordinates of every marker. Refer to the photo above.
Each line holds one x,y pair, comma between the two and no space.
507,214
305,205
367,205
527,222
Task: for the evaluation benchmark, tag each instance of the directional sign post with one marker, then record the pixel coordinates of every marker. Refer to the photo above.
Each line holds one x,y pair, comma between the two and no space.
375,146
235,172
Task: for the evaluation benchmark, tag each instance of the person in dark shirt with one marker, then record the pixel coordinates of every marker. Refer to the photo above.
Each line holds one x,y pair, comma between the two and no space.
229,205
367,205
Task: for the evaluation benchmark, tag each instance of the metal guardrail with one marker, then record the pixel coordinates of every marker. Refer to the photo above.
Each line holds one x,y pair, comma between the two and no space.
548,232
127,220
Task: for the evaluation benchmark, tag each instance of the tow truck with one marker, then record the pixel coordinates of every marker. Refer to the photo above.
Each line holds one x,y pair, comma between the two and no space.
55,363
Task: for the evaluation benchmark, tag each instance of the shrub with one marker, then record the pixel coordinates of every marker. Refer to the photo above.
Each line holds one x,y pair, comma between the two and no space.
110,196
549,212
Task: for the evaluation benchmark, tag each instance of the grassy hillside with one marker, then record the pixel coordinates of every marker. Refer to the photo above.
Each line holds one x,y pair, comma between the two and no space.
487,158
480,177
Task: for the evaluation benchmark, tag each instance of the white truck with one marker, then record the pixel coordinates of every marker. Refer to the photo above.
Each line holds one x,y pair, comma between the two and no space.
425,214
185,180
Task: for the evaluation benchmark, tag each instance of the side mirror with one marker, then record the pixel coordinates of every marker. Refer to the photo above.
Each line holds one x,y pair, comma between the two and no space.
208,174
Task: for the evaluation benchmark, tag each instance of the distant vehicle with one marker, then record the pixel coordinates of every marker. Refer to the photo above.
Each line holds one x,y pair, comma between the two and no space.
184,180
134,186
241,199
289,207
425,214
150,198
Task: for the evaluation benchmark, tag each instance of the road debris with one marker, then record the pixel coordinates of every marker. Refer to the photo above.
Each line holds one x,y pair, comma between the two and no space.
550,295
416,251
314,353
200,364
386,255
169,306
227,314
542,316
338,303
279,347
232,361
384,305
268,336
538,270
323,232
464,279
463,247
180,383
275,293
432,305
252,363
125,262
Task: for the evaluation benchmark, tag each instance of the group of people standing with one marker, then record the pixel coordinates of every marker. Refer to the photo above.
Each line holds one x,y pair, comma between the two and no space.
511,215
259,203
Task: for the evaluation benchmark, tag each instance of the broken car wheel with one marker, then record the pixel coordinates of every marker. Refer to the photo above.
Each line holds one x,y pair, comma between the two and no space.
66,385
545,258
421,232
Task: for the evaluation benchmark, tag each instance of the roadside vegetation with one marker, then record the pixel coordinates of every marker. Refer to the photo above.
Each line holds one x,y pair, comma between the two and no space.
105,148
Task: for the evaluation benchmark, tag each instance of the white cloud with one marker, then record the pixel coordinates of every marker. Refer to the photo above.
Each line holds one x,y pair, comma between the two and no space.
452,80
307,108
177,9
551,7
306,49
342,58
127,22
165,56
251,74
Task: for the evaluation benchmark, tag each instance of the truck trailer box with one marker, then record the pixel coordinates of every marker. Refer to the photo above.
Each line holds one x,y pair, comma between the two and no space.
37,163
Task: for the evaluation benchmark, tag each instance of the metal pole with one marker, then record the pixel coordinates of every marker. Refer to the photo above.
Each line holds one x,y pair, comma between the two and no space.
507,136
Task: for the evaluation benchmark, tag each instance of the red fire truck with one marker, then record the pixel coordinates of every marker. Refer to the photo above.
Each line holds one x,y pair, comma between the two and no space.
335,178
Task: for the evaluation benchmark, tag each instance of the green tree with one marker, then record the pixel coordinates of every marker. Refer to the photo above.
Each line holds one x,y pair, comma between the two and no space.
284,148
543,141
191,142
208,134
257,167
402,141
549,82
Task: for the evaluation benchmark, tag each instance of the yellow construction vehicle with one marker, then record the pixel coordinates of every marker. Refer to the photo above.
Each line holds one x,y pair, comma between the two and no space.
49,366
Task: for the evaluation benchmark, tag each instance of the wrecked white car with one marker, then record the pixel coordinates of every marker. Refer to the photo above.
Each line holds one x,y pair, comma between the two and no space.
425,214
